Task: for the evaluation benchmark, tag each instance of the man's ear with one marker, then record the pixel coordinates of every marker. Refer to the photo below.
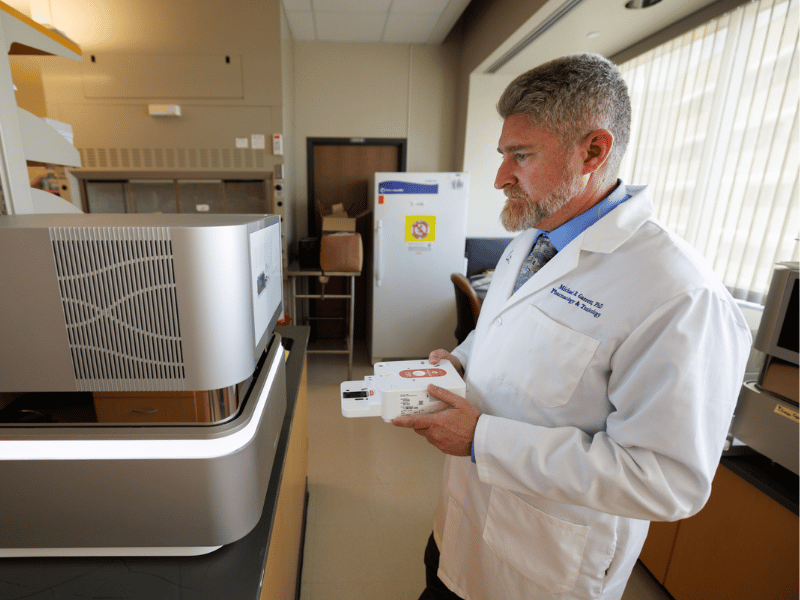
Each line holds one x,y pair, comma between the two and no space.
596,147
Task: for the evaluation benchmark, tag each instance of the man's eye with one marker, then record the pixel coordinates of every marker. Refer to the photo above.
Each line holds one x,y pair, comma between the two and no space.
521,156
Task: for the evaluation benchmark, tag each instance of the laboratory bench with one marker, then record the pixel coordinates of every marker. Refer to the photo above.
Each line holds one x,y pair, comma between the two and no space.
263,565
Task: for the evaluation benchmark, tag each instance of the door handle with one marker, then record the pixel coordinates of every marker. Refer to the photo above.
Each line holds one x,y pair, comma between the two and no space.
378,252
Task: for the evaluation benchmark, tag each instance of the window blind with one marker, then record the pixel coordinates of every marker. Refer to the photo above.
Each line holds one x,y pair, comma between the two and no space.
714,133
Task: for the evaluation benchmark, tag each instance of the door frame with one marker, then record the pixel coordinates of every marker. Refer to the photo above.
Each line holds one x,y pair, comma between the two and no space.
311,142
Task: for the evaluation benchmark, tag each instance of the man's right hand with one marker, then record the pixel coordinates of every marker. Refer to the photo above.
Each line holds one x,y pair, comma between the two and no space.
438,355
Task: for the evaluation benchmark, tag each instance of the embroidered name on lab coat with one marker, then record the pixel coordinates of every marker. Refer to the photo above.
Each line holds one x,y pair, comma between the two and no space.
578,300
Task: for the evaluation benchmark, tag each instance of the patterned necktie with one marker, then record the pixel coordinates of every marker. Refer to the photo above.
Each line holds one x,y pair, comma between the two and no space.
542,251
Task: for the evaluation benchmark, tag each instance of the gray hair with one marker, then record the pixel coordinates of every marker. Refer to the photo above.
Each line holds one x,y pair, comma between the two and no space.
572,96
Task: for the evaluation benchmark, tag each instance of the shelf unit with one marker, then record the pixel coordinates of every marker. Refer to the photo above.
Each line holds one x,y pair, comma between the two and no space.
25,137
344,346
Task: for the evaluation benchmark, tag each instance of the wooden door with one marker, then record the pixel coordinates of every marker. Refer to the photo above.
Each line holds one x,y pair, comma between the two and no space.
339,172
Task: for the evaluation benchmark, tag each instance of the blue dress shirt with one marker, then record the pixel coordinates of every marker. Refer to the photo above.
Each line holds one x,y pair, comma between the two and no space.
564,234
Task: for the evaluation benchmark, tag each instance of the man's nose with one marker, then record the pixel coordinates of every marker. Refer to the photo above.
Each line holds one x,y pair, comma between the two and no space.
505,175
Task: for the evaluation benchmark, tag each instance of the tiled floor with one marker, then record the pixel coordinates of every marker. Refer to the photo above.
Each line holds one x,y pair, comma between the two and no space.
372,494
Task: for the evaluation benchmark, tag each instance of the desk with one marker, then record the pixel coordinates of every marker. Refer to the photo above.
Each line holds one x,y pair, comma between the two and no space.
480,283
241,570
295,273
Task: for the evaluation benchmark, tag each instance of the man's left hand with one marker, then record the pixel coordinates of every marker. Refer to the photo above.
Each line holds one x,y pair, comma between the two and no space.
450,430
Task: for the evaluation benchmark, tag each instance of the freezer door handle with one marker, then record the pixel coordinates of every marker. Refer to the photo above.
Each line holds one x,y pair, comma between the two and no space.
378,252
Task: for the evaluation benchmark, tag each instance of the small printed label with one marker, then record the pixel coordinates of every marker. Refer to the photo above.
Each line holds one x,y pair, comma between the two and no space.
415,404
789,414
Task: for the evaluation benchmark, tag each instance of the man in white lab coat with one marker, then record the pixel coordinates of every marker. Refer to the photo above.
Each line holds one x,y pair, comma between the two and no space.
603,371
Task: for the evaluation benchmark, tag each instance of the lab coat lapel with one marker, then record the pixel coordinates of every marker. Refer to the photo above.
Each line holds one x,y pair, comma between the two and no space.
505,275
513,261
561,264
605,236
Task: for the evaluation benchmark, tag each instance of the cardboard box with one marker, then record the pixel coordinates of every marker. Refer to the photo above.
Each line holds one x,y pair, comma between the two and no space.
337,219
341,252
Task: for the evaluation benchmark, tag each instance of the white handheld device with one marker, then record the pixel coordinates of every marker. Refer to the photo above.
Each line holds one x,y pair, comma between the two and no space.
399,388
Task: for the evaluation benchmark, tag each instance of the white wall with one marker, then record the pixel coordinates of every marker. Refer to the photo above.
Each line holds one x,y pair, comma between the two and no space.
481,159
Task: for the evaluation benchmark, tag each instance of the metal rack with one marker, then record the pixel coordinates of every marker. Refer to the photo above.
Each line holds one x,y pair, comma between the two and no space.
344,346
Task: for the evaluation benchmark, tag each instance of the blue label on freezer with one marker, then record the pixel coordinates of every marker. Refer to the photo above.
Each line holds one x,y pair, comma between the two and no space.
406,187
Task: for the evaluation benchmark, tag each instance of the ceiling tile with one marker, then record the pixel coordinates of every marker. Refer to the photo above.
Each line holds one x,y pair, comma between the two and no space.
302,26
363,6
408,28
426,7
349,27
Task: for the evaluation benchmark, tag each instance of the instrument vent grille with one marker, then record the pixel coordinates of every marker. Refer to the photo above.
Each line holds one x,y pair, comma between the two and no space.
120,306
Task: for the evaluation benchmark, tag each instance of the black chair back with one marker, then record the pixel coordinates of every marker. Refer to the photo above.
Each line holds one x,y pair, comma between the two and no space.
468,306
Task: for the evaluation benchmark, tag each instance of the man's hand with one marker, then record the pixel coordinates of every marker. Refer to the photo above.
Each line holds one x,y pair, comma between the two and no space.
450,430
438,355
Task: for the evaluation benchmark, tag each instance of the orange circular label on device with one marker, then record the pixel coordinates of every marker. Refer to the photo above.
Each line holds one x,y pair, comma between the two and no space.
413,373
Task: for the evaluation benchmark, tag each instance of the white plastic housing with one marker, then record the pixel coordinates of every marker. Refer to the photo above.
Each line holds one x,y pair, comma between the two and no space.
400,388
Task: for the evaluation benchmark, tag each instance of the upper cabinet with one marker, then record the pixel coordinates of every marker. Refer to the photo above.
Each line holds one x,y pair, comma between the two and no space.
24,137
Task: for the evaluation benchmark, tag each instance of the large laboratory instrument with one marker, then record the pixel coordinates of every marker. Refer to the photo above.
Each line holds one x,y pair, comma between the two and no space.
768,410
142,386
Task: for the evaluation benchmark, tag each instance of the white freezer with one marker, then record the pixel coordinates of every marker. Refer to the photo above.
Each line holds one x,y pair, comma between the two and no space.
420,234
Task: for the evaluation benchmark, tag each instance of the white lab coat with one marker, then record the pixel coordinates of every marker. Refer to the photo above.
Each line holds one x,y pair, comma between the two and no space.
606,385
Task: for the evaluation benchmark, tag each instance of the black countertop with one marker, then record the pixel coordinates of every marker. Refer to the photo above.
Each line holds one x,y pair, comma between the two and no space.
234,572
775,481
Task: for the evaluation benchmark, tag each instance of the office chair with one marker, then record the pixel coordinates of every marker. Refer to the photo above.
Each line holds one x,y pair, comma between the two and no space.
468,306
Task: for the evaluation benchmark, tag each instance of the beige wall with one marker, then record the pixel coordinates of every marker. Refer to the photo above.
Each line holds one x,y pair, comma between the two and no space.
484,26
481,159
375,91
416,92
289,183
144,46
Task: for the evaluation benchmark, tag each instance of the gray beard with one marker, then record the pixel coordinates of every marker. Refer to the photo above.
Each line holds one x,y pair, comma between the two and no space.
528,214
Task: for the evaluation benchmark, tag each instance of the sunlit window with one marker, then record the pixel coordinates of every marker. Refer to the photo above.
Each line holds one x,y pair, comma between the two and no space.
715,135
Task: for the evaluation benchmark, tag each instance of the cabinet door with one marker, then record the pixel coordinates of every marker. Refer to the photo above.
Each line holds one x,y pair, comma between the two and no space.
742,544
106,197
200,196
246,197
153,196
657,550
286,540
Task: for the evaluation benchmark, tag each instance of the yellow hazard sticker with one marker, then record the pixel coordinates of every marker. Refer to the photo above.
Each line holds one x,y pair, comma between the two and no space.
420,229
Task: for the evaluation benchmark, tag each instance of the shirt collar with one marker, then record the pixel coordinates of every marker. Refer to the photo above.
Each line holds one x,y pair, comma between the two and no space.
565,233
